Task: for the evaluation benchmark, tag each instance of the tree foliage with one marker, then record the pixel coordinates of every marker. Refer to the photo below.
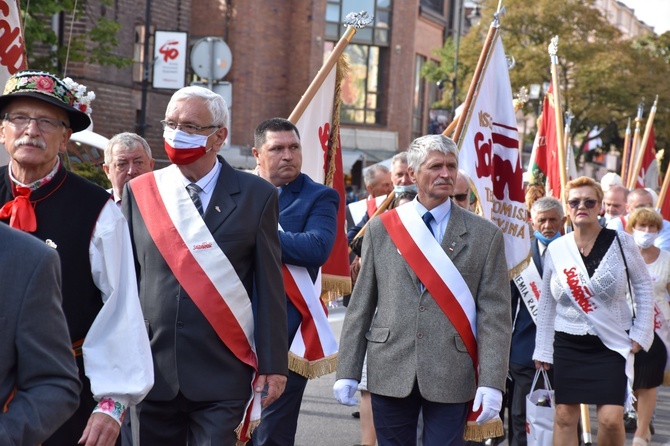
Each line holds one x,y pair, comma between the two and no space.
47,48
603,76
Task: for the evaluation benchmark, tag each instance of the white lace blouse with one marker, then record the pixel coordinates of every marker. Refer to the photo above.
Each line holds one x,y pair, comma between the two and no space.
558,312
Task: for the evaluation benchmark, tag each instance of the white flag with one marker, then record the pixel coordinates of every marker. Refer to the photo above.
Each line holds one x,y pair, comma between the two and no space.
489,154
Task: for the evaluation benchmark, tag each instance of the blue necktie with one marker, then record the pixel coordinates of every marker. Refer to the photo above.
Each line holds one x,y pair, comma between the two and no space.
427,218
193,191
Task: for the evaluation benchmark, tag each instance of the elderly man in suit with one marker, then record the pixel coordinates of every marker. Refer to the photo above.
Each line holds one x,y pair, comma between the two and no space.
39,388
208,261
547,220
308,222
431,307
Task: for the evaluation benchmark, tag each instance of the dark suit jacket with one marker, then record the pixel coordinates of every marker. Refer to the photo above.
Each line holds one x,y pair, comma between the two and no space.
35,353
408,338
523,336
188,355
308,217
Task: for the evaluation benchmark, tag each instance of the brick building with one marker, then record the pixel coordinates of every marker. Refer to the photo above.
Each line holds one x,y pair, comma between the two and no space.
277,49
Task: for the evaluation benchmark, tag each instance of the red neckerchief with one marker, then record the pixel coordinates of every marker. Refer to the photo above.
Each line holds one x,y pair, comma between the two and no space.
19,211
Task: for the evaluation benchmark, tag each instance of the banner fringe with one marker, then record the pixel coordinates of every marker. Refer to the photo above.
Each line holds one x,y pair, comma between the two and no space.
333,287
238,431
479,433
312,369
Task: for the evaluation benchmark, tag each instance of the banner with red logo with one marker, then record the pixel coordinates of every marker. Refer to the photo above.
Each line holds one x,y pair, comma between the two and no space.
648,176
489,154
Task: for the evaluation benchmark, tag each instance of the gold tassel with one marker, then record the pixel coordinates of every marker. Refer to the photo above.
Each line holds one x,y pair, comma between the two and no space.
479,433
520,267
253,424
334,286
312,369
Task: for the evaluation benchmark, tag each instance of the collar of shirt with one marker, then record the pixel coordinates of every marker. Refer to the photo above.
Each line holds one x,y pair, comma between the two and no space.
206,183
441,216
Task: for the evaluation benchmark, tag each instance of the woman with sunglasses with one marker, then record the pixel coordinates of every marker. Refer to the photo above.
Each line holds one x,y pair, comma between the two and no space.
644,224
585,327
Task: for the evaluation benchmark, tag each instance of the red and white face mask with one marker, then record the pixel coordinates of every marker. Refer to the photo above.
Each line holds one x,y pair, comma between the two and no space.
183,148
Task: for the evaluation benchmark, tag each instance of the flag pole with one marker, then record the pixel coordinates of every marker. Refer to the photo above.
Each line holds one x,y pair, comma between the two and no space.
632,179
626,149
553,53
476,80
635,144
353,22
664,189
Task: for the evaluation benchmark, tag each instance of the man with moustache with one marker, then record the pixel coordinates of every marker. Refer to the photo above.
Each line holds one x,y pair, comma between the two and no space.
431,307
209,266
127,155
308,223
77,219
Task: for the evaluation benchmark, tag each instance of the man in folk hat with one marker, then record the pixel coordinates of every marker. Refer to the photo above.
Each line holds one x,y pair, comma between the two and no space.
79,220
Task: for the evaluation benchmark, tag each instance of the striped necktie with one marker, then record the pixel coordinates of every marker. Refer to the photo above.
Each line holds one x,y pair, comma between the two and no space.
193,191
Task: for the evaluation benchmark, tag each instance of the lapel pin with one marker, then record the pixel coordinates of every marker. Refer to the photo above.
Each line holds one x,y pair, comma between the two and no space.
451,249
217,209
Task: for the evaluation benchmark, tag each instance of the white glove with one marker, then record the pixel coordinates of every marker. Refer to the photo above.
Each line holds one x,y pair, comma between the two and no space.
490,400
344,391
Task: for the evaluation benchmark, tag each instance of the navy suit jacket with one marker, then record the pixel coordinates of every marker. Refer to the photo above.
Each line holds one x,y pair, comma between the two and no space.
308,217
523,336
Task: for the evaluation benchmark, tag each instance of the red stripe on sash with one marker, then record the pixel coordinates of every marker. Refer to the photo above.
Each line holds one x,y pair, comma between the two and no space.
187,270
371,204
432,281
310,335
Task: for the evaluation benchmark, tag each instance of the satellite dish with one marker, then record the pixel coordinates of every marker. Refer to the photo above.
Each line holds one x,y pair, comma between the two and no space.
211,58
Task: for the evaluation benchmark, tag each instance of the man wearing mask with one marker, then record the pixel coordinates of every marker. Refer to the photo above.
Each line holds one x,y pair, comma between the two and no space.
209,266
127,155
547,220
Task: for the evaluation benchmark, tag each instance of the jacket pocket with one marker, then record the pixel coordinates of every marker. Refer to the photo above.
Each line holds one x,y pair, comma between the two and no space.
460,345
377,334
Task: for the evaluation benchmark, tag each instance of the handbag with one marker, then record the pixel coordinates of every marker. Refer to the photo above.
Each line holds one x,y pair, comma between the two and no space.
540,413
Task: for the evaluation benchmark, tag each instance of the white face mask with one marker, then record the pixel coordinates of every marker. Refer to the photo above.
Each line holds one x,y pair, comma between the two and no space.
644,239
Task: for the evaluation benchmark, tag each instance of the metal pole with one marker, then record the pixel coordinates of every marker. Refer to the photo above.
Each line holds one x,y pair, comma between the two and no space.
142,125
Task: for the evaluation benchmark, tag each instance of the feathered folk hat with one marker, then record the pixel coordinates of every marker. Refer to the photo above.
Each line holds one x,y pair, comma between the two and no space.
65,94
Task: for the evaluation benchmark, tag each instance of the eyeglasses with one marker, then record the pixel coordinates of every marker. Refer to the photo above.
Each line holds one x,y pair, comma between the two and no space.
187,128
460,197
45,125
589,204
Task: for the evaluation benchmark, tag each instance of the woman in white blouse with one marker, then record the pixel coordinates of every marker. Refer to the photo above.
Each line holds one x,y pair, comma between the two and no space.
645,224
585,327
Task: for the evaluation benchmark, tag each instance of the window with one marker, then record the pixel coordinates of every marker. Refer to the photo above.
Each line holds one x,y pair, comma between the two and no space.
375,34
436,5
361,103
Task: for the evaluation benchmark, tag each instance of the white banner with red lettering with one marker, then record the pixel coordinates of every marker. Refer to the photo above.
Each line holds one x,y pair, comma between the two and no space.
489,154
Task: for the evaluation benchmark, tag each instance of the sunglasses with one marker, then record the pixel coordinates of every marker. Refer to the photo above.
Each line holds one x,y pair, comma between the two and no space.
589,204
460,197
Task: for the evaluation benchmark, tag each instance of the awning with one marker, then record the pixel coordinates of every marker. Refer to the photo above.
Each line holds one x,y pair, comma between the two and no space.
349,158
90,138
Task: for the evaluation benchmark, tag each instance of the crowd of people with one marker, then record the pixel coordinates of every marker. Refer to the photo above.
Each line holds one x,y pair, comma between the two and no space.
182,306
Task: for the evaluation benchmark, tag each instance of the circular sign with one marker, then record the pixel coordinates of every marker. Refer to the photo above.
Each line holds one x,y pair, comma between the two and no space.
211,58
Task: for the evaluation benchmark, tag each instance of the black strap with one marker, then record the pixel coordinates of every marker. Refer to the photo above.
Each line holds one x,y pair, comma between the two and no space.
630,291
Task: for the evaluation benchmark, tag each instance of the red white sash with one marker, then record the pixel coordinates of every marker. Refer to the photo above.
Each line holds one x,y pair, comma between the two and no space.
435,270
577,284
529,284
313,352
201,267
371,205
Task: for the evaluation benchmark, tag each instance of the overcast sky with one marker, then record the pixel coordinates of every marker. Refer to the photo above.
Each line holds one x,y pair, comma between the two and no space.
652,12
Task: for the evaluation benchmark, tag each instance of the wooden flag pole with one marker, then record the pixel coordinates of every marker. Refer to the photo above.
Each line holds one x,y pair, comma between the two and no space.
625,154
635,146
476,80
664,189
553,53
632,179
353,22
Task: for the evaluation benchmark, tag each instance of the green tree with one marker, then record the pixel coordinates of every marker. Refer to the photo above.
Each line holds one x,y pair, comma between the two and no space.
92,173
603,76
94,37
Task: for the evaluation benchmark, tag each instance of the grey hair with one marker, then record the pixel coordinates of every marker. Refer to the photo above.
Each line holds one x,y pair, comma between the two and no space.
125,140
419,148
371,173
462,173
215,103
546,204
399,157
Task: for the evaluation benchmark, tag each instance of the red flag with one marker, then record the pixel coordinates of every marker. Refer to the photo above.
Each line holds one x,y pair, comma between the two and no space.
648,176
665,206
546,167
